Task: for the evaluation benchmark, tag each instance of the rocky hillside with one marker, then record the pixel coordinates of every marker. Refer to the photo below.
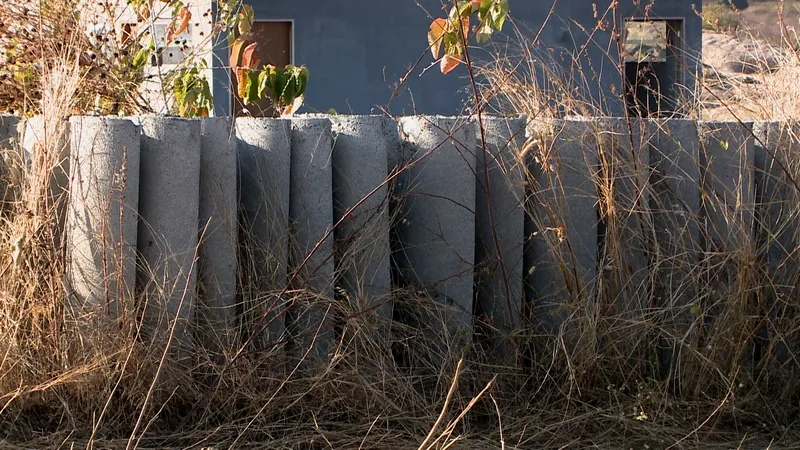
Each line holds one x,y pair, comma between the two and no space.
747,78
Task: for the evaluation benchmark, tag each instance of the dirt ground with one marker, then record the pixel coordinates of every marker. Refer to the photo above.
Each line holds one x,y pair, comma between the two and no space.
751,73
763,20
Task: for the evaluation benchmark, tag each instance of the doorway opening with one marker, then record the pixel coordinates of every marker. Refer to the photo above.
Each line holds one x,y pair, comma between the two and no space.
275,46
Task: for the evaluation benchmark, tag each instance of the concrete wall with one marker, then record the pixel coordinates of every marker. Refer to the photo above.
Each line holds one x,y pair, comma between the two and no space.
517,230
8,140
8,130
359,50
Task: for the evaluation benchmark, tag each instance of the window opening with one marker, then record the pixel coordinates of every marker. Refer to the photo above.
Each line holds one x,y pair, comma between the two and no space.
652,53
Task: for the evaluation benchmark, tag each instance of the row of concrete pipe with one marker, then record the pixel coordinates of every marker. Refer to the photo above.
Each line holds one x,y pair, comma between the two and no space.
161,207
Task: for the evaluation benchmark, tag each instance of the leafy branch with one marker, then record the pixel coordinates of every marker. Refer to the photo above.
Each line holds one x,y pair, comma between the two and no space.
453,32
285,86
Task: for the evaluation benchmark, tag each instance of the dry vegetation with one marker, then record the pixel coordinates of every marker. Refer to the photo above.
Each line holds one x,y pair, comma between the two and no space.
700,355
751,62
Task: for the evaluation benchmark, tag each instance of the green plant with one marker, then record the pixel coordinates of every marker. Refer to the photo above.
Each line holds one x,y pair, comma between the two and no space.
192,92
453,32
285,86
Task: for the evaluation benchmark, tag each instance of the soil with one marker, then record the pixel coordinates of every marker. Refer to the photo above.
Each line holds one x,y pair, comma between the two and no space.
751,73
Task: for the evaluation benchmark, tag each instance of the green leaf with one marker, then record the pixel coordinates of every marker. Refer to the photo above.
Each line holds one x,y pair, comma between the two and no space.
484,33
499,14
190,79
282,79
486,5
141,57
251,89
452,44
289,88
207,97
266,81
176,8
724,144
188,104
231,39
246,19
297,81
178,88
304,77
464,8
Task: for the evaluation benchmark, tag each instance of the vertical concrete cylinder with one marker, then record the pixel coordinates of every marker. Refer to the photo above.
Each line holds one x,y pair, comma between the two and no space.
777,169
8,130
561,255
624,163
311,217
8,141
169,196
102,216
360,168
438,226
727,166
500,233
264,155
675,205
217,262
727,205
47,143
777,230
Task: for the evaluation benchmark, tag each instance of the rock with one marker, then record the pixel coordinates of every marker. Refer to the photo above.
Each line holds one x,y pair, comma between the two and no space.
729,54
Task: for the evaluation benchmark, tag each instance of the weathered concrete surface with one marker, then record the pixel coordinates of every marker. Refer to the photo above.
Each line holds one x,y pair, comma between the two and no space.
8,140
626,224
217,258
726,165
561,255
727,204
437,229
8,130
264,149
102,217
53,143
47,146
675,205
169,196
360,168
311,218
777,230
500,228
777,167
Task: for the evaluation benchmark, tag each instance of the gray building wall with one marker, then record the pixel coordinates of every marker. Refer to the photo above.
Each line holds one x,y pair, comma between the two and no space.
358,50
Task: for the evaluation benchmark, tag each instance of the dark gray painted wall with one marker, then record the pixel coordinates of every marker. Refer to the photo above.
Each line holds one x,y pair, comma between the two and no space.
358,50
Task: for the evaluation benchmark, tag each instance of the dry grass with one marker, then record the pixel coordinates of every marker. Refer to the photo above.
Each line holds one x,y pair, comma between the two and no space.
769,93
720,18
762,16
698,351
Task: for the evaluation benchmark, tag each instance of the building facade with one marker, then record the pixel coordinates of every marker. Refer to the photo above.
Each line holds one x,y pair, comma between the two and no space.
370,56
